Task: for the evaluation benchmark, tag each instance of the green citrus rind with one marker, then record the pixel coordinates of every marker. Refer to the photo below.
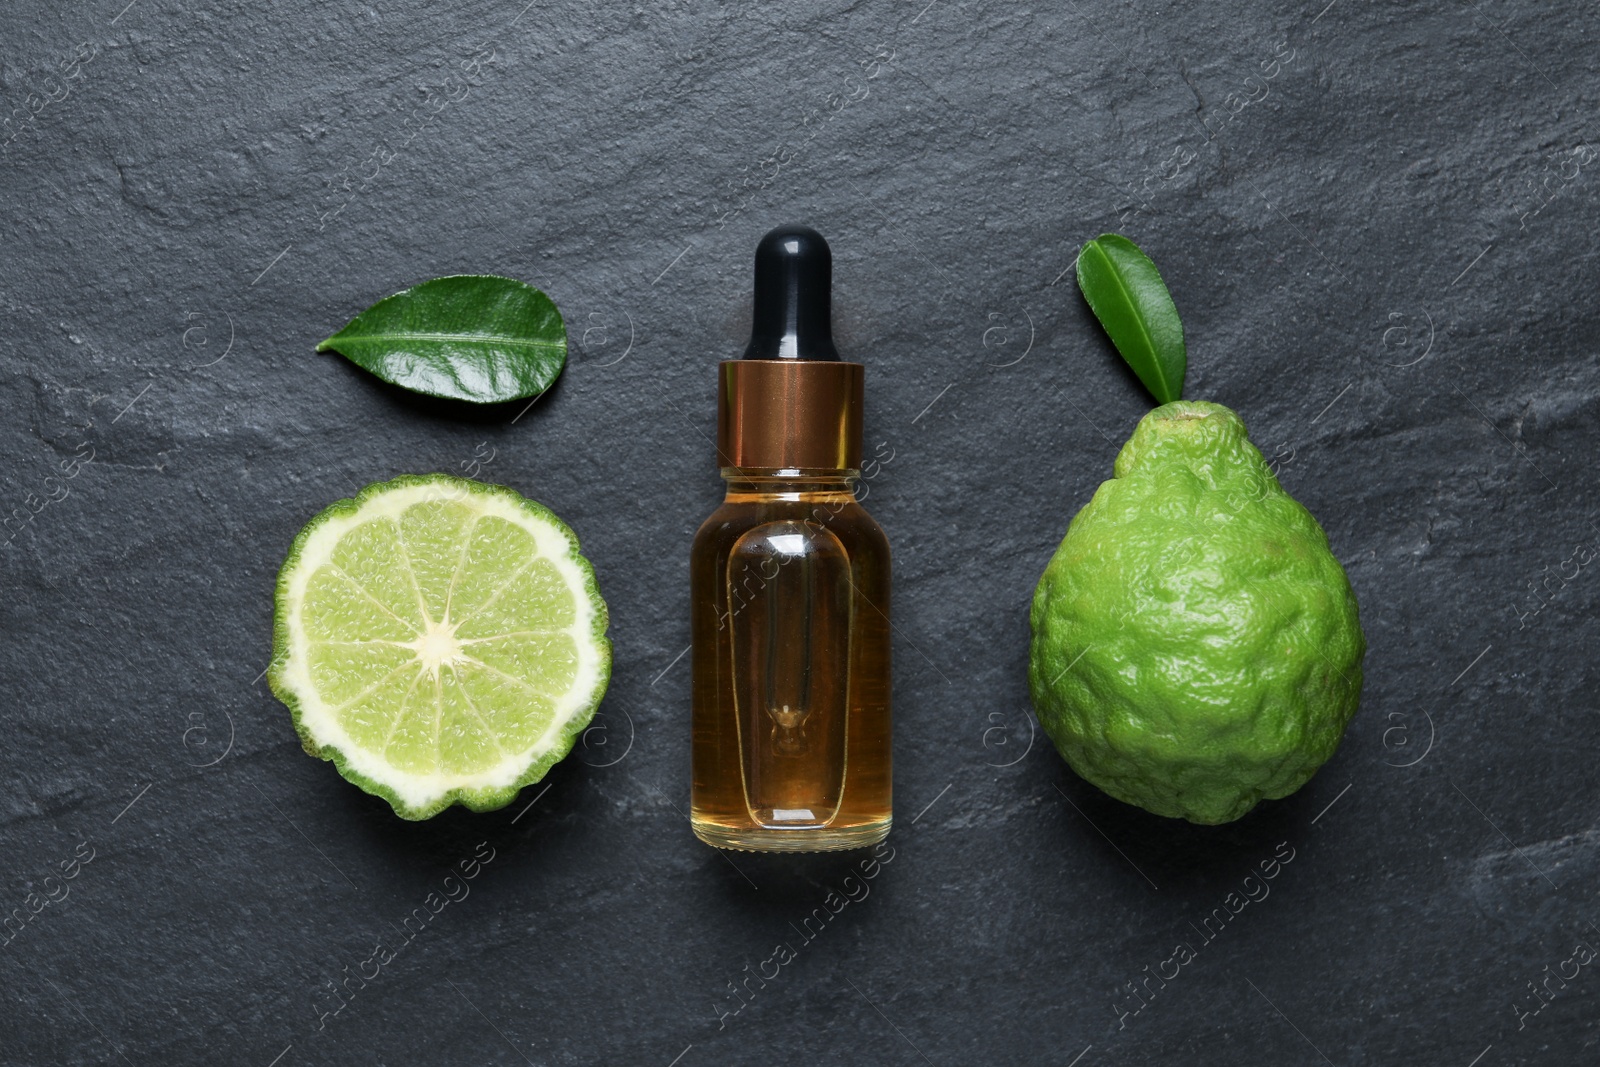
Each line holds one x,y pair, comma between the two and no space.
552,748
1196,645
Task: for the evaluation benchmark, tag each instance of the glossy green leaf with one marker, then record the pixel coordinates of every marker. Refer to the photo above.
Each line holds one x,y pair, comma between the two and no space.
1127,295
470,337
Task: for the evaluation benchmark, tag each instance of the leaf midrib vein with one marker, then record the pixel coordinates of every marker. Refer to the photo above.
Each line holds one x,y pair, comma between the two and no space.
466,338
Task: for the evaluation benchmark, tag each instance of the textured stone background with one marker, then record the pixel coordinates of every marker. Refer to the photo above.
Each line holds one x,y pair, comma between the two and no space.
1377,219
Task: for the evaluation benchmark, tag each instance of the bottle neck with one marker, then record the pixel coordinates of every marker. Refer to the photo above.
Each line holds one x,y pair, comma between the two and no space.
789,413
790,483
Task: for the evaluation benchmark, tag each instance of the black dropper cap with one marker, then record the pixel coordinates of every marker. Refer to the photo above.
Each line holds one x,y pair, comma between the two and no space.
794,297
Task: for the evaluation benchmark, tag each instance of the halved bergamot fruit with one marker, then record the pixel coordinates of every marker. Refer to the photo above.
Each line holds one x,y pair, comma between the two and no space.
440,640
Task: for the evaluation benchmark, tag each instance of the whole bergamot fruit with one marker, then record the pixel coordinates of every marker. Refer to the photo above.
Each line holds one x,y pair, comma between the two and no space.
1196,647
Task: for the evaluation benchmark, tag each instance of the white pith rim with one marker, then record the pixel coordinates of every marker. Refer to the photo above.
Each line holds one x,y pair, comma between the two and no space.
317,717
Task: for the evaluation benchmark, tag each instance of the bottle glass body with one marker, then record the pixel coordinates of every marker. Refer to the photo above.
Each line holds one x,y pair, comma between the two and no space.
790,592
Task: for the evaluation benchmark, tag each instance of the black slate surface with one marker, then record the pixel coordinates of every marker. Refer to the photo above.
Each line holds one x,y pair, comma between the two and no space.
1377,219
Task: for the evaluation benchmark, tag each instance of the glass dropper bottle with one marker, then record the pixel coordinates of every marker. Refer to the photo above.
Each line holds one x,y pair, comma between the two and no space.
790,587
